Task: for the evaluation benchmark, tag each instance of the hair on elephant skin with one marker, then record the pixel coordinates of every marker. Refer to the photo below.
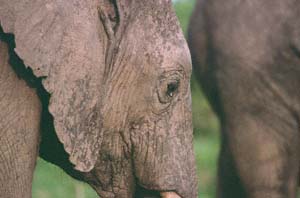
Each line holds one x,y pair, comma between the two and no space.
246,57
99,88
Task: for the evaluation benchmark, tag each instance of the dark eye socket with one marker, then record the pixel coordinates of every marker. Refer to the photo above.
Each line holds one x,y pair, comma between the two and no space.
168,90
172,88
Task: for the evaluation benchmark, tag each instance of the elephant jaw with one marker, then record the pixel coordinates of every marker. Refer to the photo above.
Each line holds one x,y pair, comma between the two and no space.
135,192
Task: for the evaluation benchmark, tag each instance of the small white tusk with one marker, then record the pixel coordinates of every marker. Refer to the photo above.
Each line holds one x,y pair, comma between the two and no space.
169,195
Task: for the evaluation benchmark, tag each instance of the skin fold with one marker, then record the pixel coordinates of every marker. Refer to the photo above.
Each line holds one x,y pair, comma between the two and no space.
246,57
101,89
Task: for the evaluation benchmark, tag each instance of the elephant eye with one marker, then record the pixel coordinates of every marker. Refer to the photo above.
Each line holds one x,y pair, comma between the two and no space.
172,88
168,90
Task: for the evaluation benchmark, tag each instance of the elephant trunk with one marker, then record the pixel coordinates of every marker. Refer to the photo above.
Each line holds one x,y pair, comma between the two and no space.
163,154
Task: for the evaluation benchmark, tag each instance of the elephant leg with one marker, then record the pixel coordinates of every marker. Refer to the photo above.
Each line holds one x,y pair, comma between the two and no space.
229,184
19,130
265,150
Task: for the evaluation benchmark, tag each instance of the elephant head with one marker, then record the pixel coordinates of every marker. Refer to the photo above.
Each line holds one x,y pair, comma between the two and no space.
118,75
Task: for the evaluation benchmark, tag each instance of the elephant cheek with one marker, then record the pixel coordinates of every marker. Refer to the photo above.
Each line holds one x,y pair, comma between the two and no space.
113,172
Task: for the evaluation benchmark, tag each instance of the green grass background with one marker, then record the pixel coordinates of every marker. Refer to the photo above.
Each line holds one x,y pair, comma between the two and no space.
50,181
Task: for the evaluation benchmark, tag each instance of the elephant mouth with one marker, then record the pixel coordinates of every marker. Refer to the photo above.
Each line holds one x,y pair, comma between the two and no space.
139,192
142,192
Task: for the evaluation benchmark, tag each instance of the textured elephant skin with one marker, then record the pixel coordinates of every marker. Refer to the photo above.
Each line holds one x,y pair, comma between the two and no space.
99,88
246,56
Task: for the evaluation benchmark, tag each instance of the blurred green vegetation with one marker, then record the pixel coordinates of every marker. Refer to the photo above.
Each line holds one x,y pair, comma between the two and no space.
50,181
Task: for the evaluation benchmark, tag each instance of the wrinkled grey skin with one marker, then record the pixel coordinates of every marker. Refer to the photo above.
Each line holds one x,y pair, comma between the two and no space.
99,88
246,55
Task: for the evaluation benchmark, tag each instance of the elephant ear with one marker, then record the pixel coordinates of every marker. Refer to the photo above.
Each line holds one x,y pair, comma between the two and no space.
65,42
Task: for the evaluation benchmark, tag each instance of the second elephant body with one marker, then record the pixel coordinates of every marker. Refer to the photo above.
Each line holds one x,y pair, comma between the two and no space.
246,57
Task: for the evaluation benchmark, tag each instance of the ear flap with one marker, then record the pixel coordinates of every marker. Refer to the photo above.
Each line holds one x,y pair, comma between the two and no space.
65,42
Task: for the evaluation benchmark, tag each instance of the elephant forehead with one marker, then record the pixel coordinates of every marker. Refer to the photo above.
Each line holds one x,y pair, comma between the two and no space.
153,37
157,45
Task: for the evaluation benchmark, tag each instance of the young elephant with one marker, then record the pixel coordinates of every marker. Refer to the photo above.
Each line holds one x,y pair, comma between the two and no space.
246,55
114,76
